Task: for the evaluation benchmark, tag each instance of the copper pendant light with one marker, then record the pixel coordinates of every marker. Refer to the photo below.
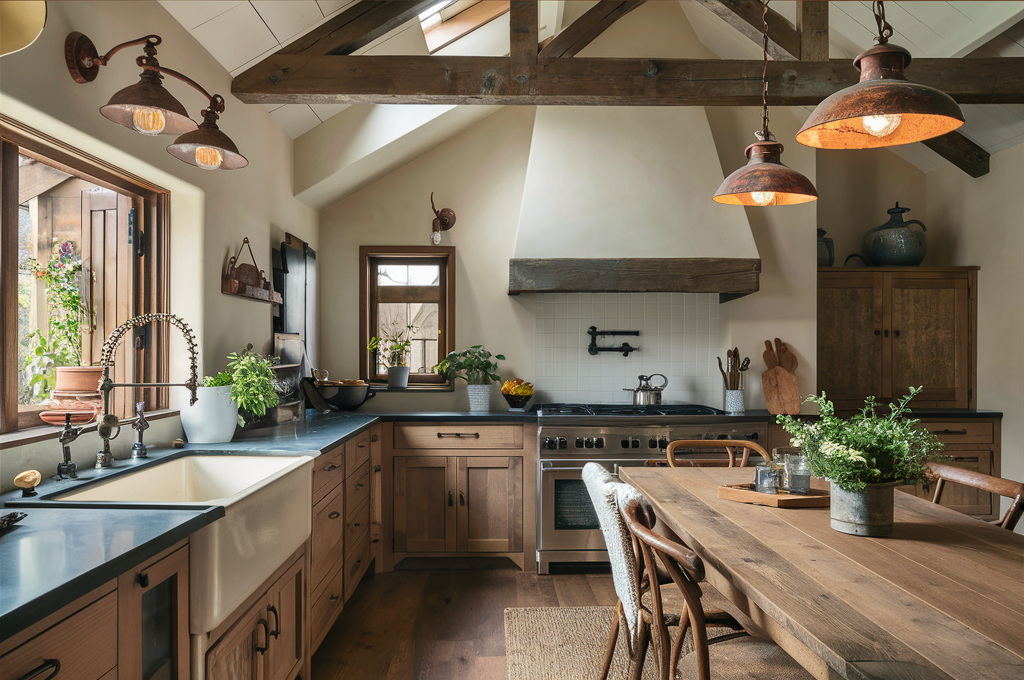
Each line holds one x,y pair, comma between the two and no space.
148,108
764,180
208,148
884,108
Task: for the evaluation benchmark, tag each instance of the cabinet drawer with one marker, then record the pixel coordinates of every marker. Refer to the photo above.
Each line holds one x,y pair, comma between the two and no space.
327,605
356,523
328,470
328,532
961,432
465,436
357,488
85,644
356,563
357,451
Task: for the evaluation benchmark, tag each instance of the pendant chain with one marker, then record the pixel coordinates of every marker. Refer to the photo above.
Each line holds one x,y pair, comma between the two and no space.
884,29
764,77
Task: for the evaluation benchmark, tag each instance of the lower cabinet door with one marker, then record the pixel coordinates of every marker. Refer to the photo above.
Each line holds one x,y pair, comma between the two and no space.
490,504
424,504
239,655
284,618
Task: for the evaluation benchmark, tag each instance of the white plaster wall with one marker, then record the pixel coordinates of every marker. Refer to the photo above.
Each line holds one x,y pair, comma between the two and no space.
981,222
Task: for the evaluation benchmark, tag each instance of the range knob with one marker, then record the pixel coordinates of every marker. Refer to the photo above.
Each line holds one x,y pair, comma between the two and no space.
599,442
634,443
624,443
550,443
563,443
652,443
579,442
722,436
662,443
589,442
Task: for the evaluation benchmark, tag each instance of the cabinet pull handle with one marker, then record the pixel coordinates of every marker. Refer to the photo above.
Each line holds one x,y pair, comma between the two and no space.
359,485
451,499
462,499
330,468
966,459
878,332
373,437
271,609
143,580
333,598
356,525
361,445
963,431
886,332
896,333
266,636
334,515
459,435
376,468
42,668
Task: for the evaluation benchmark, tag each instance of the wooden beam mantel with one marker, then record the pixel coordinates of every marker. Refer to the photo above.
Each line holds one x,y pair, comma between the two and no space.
306,79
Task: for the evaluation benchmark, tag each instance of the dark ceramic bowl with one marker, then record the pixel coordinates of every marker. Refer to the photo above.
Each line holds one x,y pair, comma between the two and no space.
517,402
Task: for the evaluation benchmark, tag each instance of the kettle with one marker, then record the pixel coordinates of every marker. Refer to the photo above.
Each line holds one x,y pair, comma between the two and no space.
644,394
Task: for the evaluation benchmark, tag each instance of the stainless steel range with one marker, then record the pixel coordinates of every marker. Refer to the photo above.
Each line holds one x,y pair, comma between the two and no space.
571,435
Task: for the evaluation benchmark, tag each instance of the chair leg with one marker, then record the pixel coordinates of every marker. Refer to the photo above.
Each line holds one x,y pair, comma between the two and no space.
677,644
636,669
613,636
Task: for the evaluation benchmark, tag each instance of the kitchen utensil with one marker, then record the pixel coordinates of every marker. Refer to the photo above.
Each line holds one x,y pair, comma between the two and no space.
781,392
778,349
769,359
787,359
722,371
746,364
644,394
348,397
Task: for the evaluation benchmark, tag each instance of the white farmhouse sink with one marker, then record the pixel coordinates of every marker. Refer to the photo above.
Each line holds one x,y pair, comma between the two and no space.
266,502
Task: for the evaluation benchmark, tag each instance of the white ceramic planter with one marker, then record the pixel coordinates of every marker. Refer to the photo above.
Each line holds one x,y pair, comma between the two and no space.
398,376
212,419
479,397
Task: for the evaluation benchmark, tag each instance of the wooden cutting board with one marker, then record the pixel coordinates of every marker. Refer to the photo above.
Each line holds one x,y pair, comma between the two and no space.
745,493
781,392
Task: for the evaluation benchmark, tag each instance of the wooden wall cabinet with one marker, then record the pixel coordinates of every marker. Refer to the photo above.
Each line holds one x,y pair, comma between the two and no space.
883,329
460,490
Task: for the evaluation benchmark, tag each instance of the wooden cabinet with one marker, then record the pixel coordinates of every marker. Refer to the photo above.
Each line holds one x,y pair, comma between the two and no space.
153,618
490,504
881,330
424,503
268,641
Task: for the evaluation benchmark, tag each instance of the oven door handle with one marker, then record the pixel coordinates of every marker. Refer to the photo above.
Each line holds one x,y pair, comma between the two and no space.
561,469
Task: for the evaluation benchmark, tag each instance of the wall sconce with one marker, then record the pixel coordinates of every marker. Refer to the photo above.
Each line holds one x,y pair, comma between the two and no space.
148,108
444,219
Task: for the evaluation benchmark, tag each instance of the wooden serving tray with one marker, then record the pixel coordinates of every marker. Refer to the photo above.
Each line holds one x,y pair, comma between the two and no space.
744,493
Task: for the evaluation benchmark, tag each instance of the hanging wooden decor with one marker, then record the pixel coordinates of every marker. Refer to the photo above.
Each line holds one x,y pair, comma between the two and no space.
247,280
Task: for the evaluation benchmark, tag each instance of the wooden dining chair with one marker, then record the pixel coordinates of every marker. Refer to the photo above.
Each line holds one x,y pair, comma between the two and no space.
943,473
733,655
632,589
730,446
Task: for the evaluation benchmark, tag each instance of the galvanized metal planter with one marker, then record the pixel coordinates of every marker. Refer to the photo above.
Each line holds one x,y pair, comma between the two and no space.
863,513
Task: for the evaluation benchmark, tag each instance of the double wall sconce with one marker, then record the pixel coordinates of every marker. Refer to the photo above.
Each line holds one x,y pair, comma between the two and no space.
148,108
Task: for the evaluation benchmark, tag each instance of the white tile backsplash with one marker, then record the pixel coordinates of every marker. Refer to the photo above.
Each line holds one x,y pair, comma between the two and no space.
679,337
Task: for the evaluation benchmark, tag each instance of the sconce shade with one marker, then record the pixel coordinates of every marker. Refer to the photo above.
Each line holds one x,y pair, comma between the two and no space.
208,148
883,109
145,105
765,181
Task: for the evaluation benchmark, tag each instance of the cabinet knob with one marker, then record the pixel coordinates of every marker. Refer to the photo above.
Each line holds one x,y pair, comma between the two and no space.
896,333
886,332
451,499
373,437
878,332
333,598
48,664
329,468
143,580
334,515
462,499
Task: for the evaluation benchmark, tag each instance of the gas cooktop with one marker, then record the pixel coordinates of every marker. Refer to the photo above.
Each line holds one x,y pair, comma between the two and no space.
628,410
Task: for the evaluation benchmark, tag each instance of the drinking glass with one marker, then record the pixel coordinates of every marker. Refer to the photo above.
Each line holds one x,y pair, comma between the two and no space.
765,479
797,474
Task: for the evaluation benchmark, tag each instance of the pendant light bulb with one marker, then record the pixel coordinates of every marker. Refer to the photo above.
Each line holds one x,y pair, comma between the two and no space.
435,238
208,159
763,197
149,121
881,125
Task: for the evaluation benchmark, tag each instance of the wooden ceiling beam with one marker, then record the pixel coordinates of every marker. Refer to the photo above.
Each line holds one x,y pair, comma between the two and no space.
588,26
961,152
746,17
812,27
304,79
357,27
523,29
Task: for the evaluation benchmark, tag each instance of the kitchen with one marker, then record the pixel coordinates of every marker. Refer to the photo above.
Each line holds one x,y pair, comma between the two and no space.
537,191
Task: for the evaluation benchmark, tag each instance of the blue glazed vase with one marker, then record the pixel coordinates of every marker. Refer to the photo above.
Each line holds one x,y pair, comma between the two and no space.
895,244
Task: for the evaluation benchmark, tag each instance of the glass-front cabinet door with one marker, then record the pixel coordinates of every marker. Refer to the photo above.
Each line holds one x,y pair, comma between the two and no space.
153,619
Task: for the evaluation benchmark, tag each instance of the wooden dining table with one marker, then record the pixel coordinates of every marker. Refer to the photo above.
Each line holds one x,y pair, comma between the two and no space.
942,597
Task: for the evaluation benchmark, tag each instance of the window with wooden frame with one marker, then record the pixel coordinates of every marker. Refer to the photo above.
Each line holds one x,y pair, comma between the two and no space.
84,246
402,286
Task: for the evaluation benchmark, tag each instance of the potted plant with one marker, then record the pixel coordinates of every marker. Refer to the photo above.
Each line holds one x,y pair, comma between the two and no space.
391,348
517,393
864,458
475,366
233,398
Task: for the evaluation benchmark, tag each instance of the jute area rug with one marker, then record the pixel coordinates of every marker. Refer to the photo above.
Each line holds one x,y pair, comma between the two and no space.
567,643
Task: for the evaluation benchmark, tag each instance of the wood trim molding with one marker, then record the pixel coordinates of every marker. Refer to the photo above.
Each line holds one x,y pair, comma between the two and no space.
733,277
448,31
9,286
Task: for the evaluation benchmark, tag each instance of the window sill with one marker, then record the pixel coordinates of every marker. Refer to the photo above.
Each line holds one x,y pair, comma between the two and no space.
47,432
412,389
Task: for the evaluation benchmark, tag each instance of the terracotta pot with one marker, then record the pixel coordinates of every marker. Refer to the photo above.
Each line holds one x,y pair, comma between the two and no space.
78,378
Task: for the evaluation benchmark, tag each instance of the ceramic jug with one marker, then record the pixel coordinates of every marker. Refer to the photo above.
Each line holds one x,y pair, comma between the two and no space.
895,244
826,250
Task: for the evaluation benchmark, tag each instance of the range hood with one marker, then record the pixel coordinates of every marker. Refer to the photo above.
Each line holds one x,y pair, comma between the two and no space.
618,199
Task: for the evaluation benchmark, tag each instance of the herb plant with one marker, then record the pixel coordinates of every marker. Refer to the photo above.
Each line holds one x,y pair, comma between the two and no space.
66,311
392,346
474,365
251,379
866,449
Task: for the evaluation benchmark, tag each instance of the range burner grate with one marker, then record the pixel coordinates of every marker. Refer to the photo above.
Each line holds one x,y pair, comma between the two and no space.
627,410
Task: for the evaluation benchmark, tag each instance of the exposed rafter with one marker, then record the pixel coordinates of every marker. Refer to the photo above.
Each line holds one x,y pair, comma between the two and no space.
745,17
357,27
812,27
961,152
591,24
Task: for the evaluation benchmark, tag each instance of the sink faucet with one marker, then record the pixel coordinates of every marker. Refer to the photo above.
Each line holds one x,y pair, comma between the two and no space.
109,425
139,447
68,435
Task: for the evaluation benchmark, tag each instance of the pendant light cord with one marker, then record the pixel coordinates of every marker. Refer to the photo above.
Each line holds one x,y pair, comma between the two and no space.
764,135
884,29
